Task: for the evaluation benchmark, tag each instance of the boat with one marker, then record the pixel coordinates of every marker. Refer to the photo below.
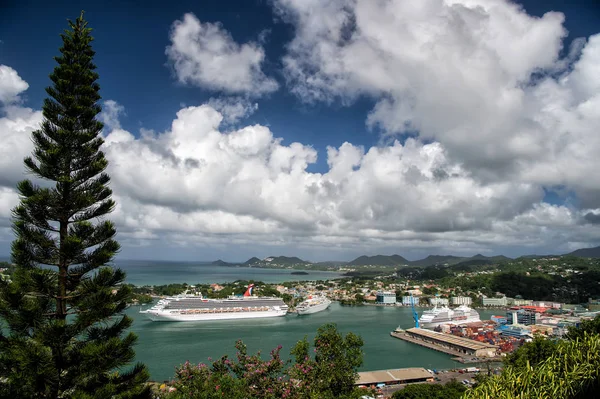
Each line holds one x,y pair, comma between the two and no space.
444,315
313,305
189,307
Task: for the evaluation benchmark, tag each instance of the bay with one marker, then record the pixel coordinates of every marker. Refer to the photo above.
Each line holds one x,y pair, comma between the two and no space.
163,345
143,272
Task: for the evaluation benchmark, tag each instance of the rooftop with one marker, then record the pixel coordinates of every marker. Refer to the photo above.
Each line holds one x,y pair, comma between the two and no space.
394,375
451,339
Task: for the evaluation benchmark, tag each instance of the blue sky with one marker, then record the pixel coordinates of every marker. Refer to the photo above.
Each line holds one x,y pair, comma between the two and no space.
470,100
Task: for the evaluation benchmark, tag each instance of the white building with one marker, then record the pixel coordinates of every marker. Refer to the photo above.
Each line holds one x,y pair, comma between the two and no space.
461,300
520,302
406,300
438,301
386,297
495,301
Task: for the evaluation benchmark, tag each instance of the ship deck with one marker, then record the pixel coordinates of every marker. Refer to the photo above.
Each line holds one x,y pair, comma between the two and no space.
198,303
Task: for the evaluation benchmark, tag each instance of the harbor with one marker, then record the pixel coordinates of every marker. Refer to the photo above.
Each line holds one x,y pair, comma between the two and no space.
163,346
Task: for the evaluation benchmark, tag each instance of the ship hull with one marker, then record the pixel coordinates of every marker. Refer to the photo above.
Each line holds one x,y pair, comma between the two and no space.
315,309
173,316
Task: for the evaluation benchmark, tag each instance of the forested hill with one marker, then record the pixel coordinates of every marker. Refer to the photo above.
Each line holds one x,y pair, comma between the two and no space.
388,261
586,252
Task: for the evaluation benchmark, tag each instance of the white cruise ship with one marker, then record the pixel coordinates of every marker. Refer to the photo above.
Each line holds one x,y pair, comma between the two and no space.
313,305
444,315
197,308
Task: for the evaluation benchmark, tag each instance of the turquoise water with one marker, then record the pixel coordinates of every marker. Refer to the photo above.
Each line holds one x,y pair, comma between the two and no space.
161,272
162,345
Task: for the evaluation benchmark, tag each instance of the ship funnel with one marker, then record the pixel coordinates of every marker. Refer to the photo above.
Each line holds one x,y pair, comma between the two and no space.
249,290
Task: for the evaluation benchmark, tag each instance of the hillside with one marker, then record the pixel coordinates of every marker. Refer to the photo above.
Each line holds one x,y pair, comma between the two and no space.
220,262
586,252
437,260
379,260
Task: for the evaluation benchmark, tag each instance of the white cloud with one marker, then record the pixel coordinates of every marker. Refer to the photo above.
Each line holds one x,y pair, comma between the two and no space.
461,73
204,54
233,109
11,85
16,125
490,139
111,111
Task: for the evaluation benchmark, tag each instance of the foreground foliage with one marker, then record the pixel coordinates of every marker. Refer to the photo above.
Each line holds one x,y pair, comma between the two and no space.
65,334
571,371
329,373
450,390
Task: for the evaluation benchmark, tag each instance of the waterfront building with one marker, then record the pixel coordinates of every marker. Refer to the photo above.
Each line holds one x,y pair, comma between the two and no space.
450,343
406,300
461,300
495,301
438,301
394,377
386,297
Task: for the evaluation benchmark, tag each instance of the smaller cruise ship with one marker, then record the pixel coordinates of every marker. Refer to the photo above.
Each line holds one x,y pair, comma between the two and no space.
444,315
313,305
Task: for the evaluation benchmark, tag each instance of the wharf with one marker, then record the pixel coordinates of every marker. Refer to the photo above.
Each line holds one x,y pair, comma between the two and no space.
463,348
403,336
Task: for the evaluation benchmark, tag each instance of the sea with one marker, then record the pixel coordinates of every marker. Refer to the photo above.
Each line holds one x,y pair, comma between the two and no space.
141,273
164,345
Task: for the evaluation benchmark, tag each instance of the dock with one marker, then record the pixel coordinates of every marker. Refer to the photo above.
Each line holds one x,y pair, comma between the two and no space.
451,345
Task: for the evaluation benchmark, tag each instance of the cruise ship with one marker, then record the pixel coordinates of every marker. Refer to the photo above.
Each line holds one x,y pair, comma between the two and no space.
313,305
197,308
444,315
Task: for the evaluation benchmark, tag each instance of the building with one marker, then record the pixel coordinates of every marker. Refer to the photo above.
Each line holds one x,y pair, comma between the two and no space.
394,377
406,300
495,301
520,302
524,317
546,304
515,331
438,301
446,343
461,300
386,297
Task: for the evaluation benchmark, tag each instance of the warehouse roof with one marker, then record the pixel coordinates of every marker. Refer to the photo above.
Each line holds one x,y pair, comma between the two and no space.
451,339
394,375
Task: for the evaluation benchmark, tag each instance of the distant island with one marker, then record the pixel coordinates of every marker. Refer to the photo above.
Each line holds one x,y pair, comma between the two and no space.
389,262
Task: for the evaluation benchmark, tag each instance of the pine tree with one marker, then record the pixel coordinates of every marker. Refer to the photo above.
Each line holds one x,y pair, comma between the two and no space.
64,331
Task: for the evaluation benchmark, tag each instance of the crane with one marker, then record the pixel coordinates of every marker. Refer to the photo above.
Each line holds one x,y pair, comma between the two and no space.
415,315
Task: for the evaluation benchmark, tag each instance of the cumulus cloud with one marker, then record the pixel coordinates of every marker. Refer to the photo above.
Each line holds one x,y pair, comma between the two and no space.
11,85
497,118
111,112
233,109
202,185
16,125
484,79
204,54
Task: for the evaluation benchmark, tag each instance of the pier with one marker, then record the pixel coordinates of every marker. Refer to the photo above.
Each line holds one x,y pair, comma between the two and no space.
449,344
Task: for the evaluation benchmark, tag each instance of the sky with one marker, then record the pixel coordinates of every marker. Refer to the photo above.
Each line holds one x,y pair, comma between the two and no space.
327,129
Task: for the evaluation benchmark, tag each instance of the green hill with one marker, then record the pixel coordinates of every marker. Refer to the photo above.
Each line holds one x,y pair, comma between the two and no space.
379,260
586,252
437,260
